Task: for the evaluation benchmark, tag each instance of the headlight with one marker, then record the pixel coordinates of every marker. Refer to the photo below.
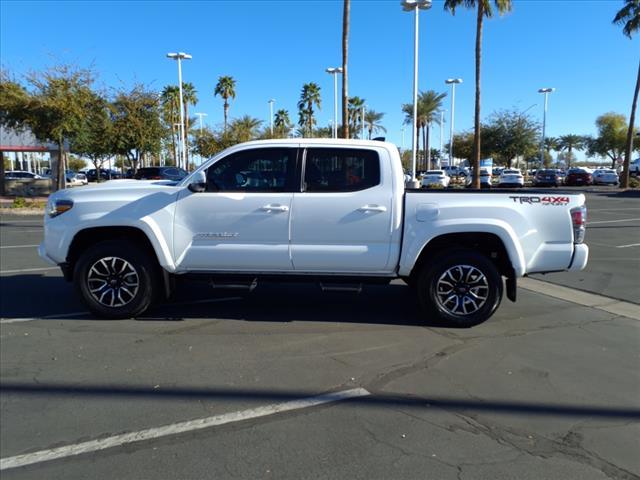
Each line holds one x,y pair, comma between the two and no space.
56,207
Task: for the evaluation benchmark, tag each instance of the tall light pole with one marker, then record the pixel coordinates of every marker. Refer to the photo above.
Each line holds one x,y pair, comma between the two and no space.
453,82
546,92
179,57
335,71
271,102
415,6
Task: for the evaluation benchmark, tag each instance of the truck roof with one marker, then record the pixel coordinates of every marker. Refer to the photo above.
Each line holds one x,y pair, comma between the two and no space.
321,141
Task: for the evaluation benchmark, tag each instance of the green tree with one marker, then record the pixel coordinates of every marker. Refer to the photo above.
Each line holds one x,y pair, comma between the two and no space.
611,139
137,130
629,16
95,137
373,121
568,143
509,134
484,9
76,163
226,89
309,97
550,143
53,110
282,123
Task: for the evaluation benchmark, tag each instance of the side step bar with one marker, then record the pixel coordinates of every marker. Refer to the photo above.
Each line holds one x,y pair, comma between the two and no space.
341,287
234,284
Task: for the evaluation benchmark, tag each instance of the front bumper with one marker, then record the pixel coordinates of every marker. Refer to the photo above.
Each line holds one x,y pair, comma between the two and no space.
580,257
42,252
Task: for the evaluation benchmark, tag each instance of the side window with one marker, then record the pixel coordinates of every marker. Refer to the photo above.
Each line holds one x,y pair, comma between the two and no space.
341,170
256,170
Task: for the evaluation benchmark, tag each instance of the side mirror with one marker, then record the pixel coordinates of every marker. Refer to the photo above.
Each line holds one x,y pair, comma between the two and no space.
198,182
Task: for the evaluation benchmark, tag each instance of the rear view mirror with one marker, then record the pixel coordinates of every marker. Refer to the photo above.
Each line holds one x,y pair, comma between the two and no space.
198,183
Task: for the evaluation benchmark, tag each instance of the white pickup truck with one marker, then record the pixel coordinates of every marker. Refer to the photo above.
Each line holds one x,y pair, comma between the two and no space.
334,212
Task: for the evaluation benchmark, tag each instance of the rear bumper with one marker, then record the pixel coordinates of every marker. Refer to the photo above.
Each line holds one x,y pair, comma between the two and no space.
580,257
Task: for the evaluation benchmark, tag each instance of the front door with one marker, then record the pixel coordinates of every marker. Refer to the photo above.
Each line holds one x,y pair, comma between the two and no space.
241,222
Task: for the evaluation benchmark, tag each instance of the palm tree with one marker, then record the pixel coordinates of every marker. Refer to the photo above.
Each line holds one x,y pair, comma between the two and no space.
189,97
569,143
629,16
226,88
355,115
245,128
484,10
372,119
309,97
281,122
550,143
170,98
345,78
429,106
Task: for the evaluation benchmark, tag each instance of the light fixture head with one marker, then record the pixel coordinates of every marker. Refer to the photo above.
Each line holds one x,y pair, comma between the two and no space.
411,5
453,80
546,90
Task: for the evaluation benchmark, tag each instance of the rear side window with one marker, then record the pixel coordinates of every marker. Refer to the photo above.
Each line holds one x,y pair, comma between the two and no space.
340,170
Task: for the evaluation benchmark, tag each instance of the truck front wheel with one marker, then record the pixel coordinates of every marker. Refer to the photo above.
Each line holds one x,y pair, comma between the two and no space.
462,288
115,279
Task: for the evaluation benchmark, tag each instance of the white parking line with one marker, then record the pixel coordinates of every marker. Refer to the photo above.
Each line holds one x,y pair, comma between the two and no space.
176,428
613,221
630,245
2,272
19,246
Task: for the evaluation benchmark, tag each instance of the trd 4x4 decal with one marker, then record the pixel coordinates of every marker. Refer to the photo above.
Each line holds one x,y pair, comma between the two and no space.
531,199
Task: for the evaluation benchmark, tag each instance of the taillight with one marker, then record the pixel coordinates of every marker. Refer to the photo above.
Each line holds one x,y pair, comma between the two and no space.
579,221
156,177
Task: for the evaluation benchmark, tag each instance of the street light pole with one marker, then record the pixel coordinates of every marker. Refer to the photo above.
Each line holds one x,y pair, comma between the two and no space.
271,102
453,82
335,71
200,115
415,6
179,57
546,92
441,133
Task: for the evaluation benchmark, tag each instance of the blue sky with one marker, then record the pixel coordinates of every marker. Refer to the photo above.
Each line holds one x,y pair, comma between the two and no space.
272,47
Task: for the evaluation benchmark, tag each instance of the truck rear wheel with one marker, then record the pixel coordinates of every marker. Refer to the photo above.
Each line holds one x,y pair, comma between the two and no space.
462,288
115,279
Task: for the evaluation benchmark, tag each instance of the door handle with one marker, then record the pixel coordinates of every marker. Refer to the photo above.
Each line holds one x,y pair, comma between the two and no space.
373,208
275,208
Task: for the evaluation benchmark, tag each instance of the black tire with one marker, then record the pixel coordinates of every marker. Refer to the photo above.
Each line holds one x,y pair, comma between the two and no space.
141,285
434,306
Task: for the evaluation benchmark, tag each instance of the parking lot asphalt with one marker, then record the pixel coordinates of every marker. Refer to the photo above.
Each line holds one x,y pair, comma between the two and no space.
547,388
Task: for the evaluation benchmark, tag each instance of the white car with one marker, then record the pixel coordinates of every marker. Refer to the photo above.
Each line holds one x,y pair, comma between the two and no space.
605,176
485,179
511,177
435,177
334,211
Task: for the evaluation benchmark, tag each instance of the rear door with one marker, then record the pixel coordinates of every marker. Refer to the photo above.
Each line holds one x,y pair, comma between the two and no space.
241,223
342,219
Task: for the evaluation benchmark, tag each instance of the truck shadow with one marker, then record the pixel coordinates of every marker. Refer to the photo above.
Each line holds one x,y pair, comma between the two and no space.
37,296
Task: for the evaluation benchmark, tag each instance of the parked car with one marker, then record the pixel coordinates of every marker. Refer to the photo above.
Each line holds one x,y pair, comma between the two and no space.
546,178
435,177
485,179
456,171
605,176
333,211
104,175
20,175
160,173
578,177
511,177
634,168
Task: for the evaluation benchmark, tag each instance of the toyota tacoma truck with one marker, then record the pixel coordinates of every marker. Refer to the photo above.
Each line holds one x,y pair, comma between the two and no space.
335,212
